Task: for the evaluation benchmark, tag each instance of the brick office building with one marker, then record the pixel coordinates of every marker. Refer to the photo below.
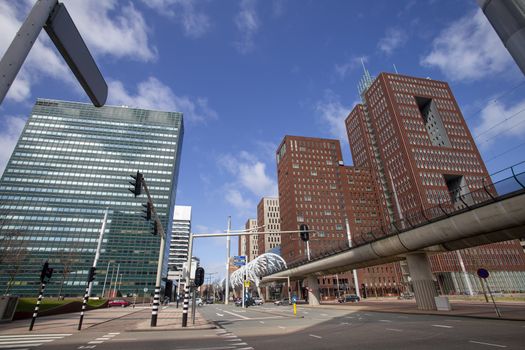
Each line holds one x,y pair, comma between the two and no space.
268,220
317,189
412,136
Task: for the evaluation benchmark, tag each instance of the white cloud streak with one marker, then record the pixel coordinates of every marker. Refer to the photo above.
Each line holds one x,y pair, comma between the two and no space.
248,24
249,182
394,38
333,114
499,122
194,23
468,49
153,94
343,70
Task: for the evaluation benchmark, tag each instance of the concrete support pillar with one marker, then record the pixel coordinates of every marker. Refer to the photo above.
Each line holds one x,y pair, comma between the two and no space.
422,281
313,291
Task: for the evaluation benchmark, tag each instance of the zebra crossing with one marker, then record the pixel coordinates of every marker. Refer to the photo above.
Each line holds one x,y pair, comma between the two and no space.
28,341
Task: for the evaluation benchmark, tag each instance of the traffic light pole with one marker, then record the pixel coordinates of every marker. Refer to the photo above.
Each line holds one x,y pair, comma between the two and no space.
187,283
156,298
37,306
91,275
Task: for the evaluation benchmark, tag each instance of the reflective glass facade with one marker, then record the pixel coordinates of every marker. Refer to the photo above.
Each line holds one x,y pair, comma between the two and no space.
72,162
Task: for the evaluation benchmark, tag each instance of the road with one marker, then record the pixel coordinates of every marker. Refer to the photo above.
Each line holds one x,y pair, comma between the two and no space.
276,328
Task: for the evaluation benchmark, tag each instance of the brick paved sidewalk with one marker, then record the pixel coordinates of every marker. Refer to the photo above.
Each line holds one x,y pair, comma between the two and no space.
508,310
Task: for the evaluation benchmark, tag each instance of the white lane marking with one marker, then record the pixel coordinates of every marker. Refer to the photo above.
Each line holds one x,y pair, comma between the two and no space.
87,347
212,348
12,341
230,336
344,323
18,346
233,339
488,344
315,336
218,314
281,327
306,312
34,335
234,314
261,322
324,315
441,326
114,333
349,317
248,348
237,344
95,342
394,329
385,321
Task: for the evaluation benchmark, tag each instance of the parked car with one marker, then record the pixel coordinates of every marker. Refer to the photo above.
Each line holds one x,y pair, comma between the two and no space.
284,301
198,301
406,296
351,298
247,302
258,301
118,302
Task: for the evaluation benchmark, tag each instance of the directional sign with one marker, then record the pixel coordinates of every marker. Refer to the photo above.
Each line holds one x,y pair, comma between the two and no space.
67,39
483,273
239,260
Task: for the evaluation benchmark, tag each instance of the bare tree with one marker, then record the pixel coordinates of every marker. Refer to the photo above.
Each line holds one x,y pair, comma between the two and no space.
13,252
68,258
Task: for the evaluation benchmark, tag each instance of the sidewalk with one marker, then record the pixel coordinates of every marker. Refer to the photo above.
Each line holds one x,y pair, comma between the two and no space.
170,319
509,310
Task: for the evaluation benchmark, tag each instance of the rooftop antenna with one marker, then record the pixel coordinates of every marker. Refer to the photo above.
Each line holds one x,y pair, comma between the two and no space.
395,68
365,81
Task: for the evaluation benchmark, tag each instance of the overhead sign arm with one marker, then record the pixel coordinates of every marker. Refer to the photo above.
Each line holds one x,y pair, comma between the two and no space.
52,16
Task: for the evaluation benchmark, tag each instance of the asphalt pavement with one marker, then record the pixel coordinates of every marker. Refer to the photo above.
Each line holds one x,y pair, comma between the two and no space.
267,327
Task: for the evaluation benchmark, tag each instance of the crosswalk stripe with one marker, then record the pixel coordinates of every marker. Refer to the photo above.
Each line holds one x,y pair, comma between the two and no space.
34,335
18,346
25,341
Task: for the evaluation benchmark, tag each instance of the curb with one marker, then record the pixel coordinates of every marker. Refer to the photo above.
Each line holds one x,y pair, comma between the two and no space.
420,313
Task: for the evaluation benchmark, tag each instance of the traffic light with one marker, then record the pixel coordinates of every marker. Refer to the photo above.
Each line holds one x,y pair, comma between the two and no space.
47,272
147,211
305,235
92,273
199,276
155,228
137,184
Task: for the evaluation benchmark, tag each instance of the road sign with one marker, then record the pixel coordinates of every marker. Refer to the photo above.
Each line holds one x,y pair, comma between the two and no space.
247,284
483,273
54,18
239,260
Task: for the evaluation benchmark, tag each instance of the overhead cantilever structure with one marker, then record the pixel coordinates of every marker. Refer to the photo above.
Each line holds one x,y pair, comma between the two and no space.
264,265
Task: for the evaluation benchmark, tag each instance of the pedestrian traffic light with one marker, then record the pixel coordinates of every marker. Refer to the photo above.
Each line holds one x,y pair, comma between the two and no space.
92,273
147,211
137,184
305,235
199,276
46,272
155,228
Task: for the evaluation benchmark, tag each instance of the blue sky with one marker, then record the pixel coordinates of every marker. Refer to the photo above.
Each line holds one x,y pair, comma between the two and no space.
246,73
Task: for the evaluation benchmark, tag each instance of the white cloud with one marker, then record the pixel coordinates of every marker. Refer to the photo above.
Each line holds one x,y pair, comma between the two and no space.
9,135
499,122
153,94
393,39
468,49
109,28
343,69
194,23
247,23
333,114
249,183
121,34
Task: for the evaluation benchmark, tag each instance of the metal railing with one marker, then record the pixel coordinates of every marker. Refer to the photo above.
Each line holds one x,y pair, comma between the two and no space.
500,185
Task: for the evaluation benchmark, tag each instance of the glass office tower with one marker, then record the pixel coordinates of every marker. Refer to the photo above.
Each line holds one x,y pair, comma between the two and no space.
71,162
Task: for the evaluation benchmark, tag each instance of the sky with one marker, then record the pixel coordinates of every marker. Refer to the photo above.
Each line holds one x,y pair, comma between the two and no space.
246,73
